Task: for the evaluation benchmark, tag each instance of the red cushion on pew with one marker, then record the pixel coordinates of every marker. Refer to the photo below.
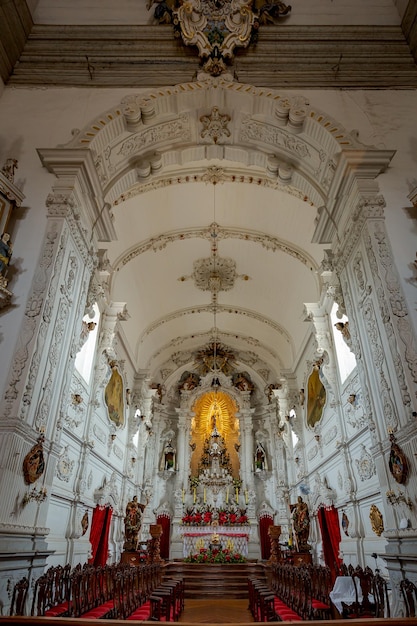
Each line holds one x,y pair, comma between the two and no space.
54,611
142,613
99,611
318,604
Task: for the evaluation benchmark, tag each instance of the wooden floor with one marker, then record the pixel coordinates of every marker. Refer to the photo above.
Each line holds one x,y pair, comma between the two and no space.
215,611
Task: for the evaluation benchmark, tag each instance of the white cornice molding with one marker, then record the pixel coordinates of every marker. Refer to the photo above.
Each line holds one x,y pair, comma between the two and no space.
356,171
74,167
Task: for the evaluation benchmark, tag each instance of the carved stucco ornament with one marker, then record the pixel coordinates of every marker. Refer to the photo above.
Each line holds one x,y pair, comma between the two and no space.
217,27
215,125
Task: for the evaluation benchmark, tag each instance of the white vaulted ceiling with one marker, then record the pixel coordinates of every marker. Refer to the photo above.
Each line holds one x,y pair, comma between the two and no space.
254,190
244,195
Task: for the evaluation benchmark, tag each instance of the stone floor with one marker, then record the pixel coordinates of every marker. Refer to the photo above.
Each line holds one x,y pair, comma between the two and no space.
215,611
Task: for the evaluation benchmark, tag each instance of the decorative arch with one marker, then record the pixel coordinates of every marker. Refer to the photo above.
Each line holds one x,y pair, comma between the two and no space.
272,140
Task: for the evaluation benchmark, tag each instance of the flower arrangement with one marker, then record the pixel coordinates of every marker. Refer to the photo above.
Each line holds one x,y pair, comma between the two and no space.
215,555
205,516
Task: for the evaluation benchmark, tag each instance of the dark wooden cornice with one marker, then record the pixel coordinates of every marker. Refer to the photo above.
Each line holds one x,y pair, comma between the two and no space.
409,26
15,27
285,56
346,57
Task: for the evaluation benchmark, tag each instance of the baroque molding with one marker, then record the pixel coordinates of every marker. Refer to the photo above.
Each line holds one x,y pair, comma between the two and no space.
274,244
39,299
219,308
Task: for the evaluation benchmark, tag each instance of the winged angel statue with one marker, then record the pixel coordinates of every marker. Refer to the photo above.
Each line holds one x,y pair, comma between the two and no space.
217,27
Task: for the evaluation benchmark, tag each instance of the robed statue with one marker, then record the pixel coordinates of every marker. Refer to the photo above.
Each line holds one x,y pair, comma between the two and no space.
133,523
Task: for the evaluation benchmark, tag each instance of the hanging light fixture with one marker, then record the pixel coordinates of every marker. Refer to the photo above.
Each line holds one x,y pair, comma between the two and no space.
214,285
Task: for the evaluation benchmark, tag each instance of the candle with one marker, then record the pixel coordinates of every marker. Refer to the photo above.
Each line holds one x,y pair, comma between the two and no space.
246,496
227,495
204,495
237,494
195,495
183,495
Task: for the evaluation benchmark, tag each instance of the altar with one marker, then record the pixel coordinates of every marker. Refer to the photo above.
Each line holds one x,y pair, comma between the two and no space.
234,538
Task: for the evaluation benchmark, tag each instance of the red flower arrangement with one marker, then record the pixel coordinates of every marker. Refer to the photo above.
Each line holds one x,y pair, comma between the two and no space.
217,555
206,516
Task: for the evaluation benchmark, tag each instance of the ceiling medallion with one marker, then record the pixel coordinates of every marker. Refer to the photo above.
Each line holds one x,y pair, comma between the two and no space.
217,27
214,273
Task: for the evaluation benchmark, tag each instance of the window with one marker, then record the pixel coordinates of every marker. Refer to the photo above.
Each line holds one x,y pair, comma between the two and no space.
345,358
85,356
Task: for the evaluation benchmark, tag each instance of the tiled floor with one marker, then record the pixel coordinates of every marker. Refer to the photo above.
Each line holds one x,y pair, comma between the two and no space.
216,612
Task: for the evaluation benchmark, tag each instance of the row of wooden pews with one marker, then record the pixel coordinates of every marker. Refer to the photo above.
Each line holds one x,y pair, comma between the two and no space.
294,593
112,592
371,594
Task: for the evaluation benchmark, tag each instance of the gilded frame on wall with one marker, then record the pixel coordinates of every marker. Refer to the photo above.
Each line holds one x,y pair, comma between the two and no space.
34,462
377,521
316,397
398,464
114,396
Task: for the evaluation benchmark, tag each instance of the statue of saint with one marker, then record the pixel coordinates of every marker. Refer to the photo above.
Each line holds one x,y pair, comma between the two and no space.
169,456
5,251
260,458
133,522
301,524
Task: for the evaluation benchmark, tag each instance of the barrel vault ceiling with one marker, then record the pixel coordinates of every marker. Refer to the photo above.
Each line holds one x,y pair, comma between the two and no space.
214,236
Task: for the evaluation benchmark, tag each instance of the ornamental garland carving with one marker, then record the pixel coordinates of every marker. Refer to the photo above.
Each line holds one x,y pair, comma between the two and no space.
65,466
152,136
365,465
36,300
252,130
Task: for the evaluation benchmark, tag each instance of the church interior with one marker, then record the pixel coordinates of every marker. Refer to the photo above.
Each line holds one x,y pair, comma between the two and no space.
208,285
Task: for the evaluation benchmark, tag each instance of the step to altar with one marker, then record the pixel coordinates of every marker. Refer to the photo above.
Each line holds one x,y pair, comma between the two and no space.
215,580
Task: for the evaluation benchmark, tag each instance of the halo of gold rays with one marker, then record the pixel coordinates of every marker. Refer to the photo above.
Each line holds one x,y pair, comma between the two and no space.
219,404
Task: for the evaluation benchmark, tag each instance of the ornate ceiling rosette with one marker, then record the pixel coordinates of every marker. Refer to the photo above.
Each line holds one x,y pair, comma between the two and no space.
217,27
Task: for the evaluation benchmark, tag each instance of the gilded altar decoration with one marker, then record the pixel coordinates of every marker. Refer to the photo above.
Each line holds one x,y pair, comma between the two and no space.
345,524
34,462
398,464
377,521
316,397
217,27
84,523
114,396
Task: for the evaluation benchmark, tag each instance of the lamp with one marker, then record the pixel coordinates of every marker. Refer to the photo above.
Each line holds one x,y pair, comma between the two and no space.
214,283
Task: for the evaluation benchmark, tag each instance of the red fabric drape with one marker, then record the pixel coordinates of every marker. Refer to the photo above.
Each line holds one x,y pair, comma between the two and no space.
99,535
330,534
164,542
264,523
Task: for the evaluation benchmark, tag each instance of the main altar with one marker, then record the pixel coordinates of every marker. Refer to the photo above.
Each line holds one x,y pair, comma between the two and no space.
216,509
232,538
